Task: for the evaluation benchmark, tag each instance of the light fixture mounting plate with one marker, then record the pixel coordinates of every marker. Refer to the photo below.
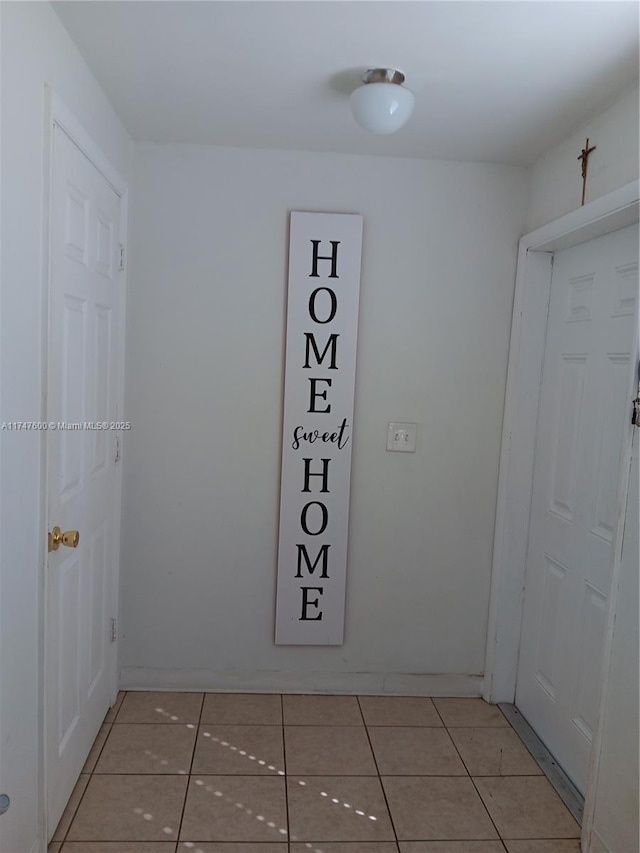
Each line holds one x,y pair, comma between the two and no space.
383,75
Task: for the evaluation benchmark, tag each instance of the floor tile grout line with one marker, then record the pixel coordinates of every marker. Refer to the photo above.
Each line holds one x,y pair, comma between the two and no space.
375,761
91,772
474,784
435,708
90,775
286,777
455,746
276,775
204,699
119,706
75,812
189,774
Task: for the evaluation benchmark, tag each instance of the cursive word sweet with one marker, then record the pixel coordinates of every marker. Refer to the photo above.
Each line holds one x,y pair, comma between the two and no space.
338,437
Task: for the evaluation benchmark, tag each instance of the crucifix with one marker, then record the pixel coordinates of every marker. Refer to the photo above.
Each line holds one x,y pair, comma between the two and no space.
584,156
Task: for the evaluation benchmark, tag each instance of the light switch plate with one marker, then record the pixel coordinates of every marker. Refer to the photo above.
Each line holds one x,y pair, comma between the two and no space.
402,437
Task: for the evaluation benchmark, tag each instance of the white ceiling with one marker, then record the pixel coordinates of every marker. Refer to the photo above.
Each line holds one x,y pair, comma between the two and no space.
494,81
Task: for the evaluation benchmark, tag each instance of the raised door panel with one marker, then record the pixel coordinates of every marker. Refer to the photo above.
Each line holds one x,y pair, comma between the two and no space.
97,634
608,445
72,392
591,627
568,417
549,629
69,648
102,405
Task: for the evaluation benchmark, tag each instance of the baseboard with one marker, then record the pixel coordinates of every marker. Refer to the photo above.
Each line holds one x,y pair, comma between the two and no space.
260,681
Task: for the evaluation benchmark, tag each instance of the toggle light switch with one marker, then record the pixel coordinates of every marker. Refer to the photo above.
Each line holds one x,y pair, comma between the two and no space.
402,437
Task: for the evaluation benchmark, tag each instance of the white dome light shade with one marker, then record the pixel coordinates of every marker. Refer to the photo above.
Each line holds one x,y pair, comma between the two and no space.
381,105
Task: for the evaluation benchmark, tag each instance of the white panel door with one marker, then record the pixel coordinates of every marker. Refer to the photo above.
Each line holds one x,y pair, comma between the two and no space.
81,475
584,410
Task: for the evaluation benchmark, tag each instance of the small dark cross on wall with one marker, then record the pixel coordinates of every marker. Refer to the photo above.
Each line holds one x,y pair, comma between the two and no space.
584,156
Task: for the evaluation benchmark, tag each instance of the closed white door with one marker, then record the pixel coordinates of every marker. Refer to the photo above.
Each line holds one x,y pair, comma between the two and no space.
84,334
584,410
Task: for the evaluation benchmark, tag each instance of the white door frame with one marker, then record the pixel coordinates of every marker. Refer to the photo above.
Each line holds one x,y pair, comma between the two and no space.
526,352
58,115
528,332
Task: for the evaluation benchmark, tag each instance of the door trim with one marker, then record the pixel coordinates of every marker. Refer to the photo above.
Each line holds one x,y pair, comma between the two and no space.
58,115
526,352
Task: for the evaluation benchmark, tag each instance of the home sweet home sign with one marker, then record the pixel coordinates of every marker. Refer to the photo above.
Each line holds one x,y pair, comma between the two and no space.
322,324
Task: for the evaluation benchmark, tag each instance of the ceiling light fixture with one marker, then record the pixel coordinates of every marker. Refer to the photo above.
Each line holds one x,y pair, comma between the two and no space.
382,104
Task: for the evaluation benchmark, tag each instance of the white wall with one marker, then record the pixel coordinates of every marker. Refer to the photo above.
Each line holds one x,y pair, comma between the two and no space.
35,51
615,827
556,180
206,319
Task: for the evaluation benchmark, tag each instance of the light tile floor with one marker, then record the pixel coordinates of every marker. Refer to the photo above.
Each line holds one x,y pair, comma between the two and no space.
249,773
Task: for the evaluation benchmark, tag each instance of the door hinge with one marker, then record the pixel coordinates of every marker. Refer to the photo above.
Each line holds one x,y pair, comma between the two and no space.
114,630
121,261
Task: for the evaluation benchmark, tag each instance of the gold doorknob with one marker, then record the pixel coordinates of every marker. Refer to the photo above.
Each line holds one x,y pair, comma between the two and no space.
70,538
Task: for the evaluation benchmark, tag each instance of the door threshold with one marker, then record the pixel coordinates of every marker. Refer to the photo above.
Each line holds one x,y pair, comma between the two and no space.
564,787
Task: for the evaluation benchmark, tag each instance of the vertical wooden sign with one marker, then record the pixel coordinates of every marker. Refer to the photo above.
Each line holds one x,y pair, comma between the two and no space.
322,325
